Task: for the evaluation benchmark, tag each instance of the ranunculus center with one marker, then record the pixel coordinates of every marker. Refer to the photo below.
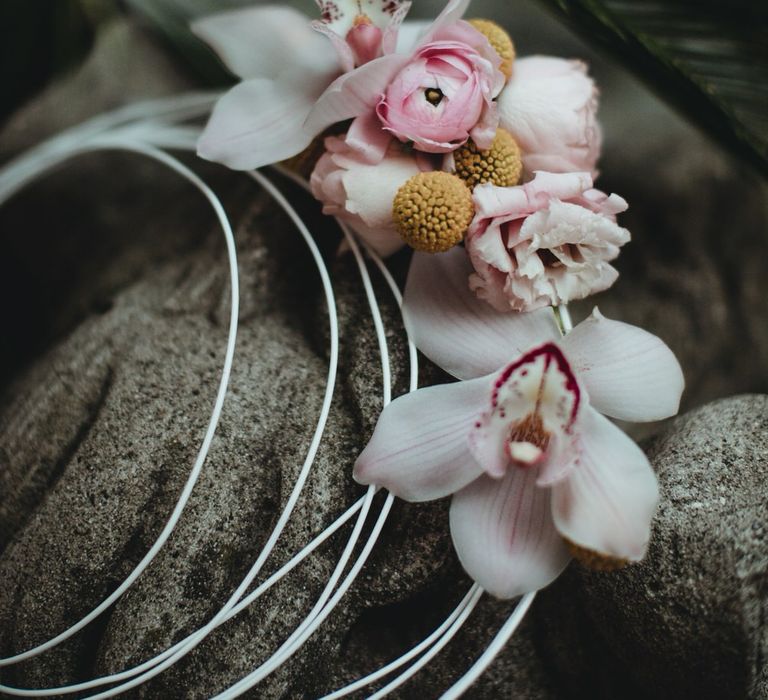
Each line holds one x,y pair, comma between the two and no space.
528,441
434,96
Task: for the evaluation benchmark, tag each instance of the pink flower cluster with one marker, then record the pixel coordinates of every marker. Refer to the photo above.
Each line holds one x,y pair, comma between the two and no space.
411,92
522,442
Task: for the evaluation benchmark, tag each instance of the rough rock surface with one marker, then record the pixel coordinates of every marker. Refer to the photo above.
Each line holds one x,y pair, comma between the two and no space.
690,620
114,300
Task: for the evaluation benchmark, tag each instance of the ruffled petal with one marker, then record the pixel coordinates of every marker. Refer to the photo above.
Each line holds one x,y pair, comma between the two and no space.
456,330
256,123
629,373
608,499
504,536
353,94
269,42
508,203
419,448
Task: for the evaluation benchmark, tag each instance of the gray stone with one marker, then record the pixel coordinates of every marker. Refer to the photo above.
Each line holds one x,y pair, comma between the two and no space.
690,620
119,409
109,362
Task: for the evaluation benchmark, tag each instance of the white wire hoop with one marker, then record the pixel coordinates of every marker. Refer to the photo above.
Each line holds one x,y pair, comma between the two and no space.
146,129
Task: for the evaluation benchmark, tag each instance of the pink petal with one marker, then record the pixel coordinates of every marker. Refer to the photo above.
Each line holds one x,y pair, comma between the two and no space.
485,130
456,330
368,138
515,202
419,448
504,536
608,499
354,94
269,42
629,373
256,123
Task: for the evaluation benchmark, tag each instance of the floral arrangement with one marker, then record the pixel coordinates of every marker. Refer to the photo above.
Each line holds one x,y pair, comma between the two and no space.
436,136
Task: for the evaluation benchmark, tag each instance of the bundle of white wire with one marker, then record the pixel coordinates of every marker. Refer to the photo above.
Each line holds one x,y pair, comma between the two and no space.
148,128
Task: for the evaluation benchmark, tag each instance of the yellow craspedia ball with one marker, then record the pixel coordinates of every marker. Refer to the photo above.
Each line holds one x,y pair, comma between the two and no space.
432,211
499,40
501,164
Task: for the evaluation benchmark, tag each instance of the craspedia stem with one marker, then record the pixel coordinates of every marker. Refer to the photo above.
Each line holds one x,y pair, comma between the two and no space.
432,211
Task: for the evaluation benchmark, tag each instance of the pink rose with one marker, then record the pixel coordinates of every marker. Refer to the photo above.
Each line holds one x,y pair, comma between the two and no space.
444,94
550,107
543,243
360,193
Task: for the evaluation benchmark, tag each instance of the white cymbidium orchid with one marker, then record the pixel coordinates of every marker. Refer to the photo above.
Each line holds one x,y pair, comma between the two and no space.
537,472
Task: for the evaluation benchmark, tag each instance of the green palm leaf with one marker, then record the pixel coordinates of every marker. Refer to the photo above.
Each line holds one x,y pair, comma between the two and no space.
708,58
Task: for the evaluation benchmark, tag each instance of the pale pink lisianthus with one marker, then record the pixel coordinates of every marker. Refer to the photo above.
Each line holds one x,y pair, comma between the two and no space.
550,107
361,194
544,243
445,93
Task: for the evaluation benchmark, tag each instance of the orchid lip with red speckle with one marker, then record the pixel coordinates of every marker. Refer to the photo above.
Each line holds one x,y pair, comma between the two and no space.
534,405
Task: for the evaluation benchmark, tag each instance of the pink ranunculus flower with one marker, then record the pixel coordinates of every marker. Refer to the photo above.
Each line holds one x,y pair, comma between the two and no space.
360,193
544,243
550,107
521,442
445,94
436,92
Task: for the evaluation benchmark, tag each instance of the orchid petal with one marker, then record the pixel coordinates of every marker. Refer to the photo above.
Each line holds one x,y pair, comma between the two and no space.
256,123
391,36
353,94
608,499
343,50
341,15
419,448
451,13
504,536
629,373
456,330
409,36
269,42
